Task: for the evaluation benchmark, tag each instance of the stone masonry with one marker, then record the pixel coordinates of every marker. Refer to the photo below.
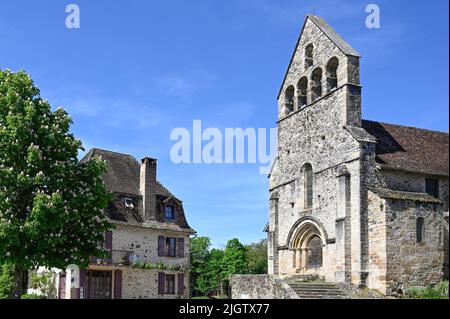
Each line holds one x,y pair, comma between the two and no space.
358,187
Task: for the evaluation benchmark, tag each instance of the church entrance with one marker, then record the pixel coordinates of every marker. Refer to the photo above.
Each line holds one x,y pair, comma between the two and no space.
314,256
307,247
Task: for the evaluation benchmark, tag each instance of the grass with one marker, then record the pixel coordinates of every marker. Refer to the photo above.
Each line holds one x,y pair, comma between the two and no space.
440,291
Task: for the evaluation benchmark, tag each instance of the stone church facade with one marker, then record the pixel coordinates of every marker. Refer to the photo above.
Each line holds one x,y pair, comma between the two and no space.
352,200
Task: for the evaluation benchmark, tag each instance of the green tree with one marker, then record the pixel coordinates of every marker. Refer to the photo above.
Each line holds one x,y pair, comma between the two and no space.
235,258
200,255
216,270
6,281
51,205
257,257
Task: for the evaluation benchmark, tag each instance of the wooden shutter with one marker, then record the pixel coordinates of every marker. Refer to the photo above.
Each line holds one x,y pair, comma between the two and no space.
181,284
161,246
161,283
62,286
118,284
180,247
82,278
108,240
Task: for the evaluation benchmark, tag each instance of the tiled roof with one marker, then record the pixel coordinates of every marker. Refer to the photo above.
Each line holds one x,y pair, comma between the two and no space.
417,197
122,178
123,173
410,148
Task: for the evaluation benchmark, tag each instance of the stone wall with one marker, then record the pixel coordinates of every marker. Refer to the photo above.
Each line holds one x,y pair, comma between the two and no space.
143,284
260,287
144,243
410,263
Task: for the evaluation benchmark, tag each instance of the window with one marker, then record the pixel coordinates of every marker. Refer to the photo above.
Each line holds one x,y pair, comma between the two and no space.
309,56
332,74
171,247
289,99
432,187
129,203
302,92
316,86
420,229
170,285
308,185
169,212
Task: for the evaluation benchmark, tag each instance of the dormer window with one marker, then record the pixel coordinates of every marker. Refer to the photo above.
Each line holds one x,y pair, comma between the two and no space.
169,212
129,203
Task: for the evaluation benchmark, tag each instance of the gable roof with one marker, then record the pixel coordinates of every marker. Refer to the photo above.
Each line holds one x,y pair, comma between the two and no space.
343,45
122,173
410,148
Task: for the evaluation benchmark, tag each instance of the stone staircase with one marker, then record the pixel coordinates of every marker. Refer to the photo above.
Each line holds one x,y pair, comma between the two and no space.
309,287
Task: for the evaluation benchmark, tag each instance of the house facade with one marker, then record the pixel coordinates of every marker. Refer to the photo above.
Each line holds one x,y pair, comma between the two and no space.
352,200
149,248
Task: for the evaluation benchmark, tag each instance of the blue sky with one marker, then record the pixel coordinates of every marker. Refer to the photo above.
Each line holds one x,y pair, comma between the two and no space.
137,69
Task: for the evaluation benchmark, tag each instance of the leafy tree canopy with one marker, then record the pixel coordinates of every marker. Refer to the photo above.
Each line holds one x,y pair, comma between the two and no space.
51,205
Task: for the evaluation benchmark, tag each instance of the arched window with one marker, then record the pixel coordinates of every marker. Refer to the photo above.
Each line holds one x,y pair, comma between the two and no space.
420,229
289,99
302,92
308,185
316,85
309,56
332,66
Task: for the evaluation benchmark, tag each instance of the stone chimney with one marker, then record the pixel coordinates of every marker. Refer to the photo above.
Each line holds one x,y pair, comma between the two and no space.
147,187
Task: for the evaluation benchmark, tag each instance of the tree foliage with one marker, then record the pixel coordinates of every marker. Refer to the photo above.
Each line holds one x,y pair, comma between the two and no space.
7,284
257,257
212,267
51,205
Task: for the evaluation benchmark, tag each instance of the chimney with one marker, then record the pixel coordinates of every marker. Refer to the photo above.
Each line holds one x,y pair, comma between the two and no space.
147,187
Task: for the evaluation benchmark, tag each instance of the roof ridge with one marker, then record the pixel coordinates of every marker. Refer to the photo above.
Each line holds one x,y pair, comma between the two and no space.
407,126
109,151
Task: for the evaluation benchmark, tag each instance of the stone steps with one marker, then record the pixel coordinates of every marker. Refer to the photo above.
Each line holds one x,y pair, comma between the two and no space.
314,290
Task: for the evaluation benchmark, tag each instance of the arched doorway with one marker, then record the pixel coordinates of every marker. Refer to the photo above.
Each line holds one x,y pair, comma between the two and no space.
307,243
314,253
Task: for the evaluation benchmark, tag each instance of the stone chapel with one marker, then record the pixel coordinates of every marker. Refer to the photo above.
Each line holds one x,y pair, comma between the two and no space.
352,200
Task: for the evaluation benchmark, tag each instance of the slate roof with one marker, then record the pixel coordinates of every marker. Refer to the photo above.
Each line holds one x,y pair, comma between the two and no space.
122,178
123,173
410,148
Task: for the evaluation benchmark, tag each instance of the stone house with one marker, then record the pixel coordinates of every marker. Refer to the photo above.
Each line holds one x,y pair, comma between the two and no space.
352,200
150,227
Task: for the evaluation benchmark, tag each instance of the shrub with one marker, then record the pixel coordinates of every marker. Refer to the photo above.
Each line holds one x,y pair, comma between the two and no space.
7,283
44,283
32,296
440,291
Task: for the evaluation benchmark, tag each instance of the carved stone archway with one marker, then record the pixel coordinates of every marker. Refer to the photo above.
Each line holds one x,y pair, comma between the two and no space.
307,240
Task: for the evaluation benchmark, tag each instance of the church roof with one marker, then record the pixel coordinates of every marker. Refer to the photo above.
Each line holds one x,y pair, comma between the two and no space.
343,45
410,148
400,195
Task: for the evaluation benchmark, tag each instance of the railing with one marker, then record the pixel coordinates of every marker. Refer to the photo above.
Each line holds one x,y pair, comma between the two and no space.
117,258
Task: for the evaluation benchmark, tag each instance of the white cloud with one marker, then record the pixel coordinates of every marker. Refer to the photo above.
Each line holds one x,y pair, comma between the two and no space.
115,113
